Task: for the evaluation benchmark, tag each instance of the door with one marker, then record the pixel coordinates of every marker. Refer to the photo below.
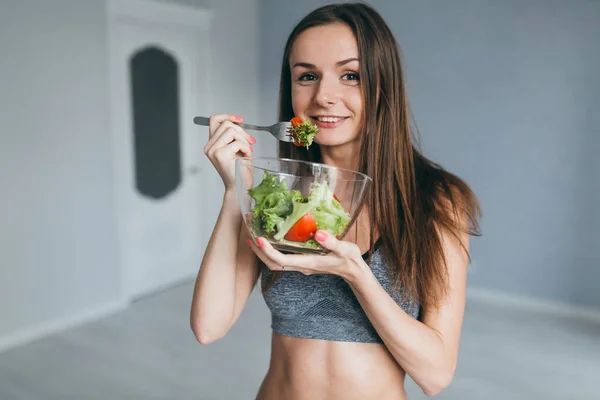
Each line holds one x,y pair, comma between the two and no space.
159,76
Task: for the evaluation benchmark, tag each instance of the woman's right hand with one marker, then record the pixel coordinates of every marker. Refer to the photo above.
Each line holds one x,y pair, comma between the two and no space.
227,142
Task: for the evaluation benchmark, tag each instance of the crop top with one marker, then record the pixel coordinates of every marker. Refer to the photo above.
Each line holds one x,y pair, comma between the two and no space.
323,306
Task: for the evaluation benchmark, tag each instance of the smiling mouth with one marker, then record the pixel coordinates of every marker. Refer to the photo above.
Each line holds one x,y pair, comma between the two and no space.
329,119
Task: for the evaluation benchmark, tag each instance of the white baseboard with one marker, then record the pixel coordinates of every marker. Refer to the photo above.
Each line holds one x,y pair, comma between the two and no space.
29,334
532,304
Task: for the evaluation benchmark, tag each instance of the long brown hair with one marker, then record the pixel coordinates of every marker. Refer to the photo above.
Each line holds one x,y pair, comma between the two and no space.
418,194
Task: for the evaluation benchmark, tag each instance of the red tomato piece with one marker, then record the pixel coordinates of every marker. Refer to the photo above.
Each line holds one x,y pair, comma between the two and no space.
296,121
303,230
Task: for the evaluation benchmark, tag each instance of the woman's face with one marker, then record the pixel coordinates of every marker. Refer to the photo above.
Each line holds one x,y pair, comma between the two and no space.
326,84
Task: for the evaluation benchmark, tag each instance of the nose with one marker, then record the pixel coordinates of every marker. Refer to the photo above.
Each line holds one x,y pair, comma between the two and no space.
327,93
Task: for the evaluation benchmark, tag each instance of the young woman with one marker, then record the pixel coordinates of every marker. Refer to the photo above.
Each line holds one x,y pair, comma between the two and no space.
389,298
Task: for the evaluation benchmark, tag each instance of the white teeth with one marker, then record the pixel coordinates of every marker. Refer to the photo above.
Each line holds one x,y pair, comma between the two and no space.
329,119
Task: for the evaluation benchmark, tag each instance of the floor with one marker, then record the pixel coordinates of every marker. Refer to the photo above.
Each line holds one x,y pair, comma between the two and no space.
148,352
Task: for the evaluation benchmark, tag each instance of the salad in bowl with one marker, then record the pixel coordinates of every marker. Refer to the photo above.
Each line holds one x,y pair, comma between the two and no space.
286,201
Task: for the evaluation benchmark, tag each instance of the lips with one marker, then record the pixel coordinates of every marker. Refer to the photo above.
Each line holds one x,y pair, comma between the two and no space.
328,121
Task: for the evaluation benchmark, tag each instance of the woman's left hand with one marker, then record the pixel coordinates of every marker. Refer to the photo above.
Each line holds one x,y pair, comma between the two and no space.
344,258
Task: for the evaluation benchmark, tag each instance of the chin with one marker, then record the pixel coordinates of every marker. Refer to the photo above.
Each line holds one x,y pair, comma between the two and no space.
332,139
334,143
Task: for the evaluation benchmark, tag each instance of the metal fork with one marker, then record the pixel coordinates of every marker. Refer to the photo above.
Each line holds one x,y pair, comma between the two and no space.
278,130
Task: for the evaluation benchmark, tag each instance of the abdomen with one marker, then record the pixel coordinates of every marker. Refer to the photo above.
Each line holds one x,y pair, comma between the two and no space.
317,369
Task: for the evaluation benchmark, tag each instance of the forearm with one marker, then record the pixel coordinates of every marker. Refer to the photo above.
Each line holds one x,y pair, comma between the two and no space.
214,293
418,349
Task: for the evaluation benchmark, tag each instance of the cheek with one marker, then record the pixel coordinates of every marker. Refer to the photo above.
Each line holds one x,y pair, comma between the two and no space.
355,104
301,99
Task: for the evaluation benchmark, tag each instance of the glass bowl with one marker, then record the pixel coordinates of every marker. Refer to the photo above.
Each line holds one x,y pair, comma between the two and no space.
286,201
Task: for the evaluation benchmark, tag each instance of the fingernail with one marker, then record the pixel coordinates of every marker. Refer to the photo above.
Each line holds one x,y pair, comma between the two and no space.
320,236
249,242
238,118
252,140
260,242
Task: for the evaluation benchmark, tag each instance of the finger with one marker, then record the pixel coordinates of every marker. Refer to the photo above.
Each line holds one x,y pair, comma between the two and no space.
216,120
273,266
233,132
221,130
327,240
304,263
338,247
270,264
227,133
225,139
270,252
245,134
231,151
259,253
220,139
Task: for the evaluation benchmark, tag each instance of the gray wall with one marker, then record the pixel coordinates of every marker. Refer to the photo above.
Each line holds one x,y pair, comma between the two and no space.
58,253
506,94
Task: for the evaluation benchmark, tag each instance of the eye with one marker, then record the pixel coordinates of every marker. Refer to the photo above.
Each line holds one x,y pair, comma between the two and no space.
307,77
351,76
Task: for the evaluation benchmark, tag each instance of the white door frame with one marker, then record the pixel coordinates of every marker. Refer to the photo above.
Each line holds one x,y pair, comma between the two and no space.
163,14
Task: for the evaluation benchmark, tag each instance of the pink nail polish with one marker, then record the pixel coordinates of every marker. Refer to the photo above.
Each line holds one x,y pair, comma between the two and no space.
321,236
249,242
238,118
252,140
260,242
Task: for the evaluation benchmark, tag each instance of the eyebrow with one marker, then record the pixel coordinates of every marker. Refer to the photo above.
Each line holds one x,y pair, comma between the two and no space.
338,64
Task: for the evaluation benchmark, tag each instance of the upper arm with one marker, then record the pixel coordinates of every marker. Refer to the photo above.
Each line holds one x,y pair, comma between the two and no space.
447,317
246,274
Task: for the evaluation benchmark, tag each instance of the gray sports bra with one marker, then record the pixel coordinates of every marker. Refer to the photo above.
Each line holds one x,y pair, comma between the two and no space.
323,306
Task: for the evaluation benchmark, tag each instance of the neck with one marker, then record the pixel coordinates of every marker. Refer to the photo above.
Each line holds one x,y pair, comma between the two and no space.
344,156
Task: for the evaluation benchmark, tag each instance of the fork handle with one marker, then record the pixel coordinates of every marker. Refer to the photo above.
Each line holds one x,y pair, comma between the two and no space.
206,122
202,121
254,127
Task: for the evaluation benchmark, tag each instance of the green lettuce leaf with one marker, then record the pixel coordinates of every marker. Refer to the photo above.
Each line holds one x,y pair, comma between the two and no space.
304,133
277,209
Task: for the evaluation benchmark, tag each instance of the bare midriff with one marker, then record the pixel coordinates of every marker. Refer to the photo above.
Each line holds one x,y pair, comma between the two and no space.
308,369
